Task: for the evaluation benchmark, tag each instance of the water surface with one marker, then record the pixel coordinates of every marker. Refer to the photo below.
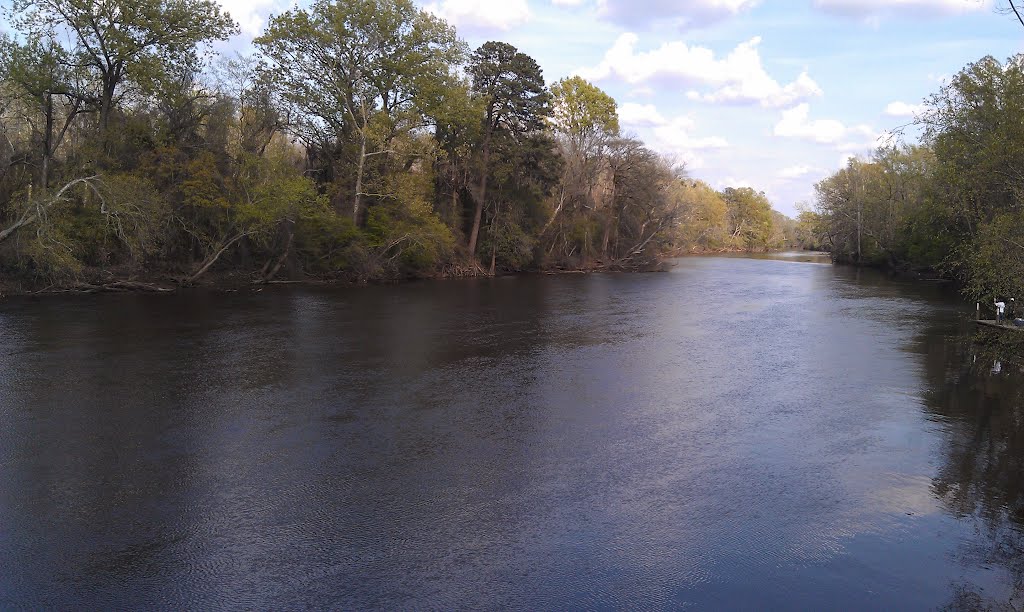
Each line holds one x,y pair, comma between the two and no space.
735,433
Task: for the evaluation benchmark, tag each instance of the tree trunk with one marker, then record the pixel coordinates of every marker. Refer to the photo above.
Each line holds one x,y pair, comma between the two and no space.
284,256
213,258
27,219
479,211
860,208
106,108
494,241
357,203
609,221
455,212
44,179
31,213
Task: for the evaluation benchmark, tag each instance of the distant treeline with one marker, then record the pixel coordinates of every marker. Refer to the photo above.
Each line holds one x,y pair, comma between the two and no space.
951,204
363,140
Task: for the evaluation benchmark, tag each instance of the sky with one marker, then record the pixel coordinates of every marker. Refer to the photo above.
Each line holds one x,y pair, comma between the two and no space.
769,94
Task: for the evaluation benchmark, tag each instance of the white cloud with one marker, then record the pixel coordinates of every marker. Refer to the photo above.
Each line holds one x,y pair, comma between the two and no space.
795,172
675,139
796,123
916,8
736,183
845,158
739,77
641,92
640,115
672,137
679,13
251,15
482,14
675,134
902,109
768,94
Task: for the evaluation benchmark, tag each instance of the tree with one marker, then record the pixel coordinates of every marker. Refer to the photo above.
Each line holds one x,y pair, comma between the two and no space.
750,217
809,228
515,102
524,172
124,41
583,114
585,119
359,71
362,141
878,211
39,72
973,126
257,97
1013,7
457,130
702,217
643,204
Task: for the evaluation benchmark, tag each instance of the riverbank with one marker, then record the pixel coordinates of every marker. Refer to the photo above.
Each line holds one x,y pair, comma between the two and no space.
123,281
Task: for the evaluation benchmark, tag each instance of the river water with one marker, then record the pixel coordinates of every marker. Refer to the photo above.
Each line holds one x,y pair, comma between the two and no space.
735,433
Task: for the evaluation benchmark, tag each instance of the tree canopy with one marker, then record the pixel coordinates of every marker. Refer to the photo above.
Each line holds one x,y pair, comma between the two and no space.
362,140
949,204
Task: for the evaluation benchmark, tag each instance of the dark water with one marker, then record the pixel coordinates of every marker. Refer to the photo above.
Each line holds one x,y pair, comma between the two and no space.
736,433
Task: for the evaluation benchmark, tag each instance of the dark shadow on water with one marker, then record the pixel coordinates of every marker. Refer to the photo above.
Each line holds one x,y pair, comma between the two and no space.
976,395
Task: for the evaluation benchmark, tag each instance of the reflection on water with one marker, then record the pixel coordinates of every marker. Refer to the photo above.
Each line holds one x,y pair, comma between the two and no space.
734,433
819,257
976,393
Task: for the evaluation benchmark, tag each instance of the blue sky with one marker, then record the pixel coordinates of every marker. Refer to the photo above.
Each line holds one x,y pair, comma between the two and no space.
772,95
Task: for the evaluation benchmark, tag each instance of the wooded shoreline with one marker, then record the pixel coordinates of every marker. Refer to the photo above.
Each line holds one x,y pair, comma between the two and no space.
234,281
362,141
101,281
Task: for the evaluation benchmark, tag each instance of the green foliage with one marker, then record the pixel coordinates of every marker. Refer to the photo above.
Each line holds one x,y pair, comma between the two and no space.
511,85
783,231
810,229
202,186
37,66
875,211
749,217
513,245
510,88
703,217
407,241
363,71
328,243
120,219
524,175
995,258
582,111
363,142
114,41
974,130
951,204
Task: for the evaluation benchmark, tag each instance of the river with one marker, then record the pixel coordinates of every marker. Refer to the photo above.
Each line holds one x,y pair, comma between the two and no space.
766,433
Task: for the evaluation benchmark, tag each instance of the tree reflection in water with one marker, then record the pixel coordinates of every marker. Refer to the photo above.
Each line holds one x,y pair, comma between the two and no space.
977,397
